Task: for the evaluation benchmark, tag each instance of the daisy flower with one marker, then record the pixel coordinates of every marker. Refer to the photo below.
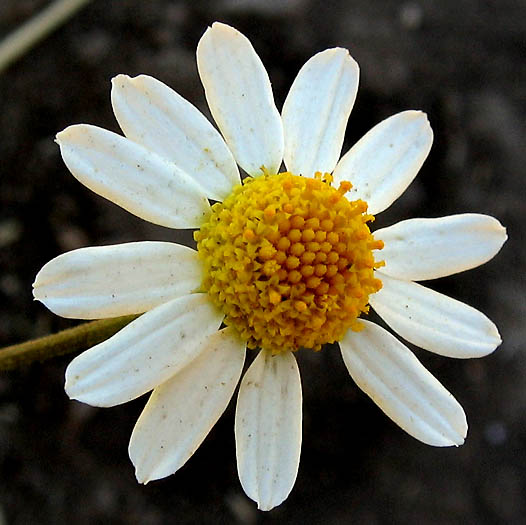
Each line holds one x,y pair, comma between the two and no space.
285,260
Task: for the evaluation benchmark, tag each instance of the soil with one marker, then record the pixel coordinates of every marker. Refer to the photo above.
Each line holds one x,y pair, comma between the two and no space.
461,61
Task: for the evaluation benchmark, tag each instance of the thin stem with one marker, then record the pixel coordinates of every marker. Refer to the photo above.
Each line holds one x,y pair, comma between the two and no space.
37,28
68,341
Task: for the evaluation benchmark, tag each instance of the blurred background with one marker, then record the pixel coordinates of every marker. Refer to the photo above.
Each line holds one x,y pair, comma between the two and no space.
461,61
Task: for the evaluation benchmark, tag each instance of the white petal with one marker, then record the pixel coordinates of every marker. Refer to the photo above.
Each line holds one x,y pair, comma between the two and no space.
240,98
383,163
434,321
181,412
420,249
390,374
268,428
316,111
152,114
144,353
133,177
109,281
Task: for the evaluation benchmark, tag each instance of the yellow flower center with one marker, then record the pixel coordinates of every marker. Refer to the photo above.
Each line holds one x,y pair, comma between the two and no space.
289,261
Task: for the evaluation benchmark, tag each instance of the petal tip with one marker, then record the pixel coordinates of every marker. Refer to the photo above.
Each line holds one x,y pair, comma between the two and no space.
126,80
69,386
218,29
270,502
61,136
351,63
144,474
417,115
68,134
455,438
461,438
70,392
494,337
265,507
221,26
345,56
463,431
42,298
422,117
141,478
503,231
72,385
342,51
499,230
38,282
121,77
449,442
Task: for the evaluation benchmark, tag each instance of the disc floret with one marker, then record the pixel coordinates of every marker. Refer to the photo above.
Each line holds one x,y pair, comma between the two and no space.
289,260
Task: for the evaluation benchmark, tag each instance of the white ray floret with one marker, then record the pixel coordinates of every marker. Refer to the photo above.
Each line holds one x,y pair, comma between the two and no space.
133,177
316,111
144,353
155,116
434,321
109,281
268,428
421,249
240,98
181,412
389,373
383,163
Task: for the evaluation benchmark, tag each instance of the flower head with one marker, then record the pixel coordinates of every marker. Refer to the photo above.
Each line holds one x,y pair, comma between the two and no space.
285,260
289,261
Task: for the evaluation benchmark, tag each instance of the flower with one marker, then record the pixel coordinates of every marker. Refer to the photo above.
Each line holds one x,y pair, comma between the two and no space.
284,259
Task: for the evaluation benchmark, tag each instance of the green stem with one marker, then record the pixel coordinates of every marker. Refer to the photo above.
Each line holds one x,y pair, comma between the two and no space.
68,341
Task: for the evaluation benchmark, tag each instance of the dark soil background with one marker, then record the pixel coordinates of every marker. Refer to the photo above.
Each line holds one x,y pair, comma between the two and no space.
461,61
